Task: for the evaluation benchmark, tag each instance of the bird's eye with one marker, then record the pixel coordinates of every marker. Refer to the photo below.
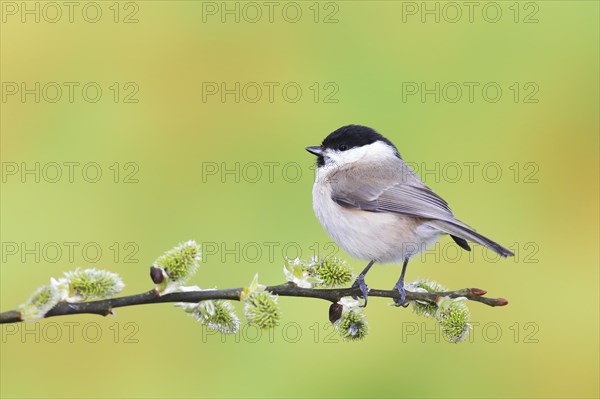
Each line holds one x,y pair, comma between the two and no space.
343,147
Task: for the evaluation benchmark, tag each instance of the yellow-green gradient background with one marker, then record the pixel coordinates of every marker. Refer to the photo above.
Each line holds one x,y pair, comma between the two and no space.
171,133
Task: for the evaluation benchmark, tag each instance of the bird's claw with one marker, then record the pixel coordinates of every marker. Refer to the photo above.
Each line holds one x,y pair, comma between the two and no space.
402,300
360,283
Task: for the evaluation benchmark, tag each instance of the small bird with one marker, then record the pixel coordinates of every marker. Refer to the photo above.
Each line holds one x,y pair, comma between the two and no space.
374,206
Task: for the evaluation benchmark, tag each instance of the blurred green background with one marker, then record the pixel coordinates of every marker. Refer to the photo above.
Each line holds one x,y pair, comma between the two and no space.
165,133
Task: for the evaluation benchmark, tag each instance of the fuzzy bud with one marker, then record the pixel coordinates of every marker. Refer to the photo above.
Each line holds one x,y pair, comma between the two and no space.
327,272
453,317
423,308
260,306
41,301
300,273
333,272
451,314
176,266
216,315
90,284
352,325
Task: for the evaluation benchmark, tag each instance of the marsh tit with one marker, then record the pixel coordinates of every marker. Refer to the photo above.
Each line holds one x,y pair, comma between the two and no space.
376,208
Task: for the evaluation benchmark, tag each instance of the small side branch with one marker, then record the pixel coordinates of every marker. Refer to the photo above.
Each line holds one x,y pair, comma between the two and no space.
105,307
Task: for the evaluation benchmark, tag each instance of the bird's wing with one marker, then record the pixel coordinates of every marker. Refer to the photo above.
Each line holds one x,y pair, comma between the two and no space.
404,193
390,187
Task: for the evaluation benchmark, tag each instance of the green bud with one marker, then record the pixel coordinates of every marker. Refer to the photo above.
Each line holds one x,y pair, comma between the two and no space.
453,316
352,325
300,273
41,301
333,272
328,272
175,266
219,315
89,284
421,307
260,306
216,315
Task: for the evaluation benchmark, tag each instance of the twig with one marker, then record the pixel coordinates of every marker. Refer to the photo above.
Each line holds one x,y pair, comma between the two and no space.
104,307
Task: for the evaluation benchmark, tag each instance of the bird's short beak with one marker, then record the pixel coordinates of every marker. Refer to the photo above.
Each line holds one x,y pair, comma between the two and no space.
315,149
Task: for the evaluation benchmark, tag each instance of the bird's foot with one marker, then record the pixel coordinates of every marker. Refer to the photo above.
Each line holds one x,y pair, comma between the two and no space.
400,288
360,282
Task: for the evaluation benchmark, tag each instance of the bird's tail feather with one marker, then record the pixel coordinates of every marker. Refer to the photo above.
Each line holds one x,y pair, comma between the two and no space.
468,234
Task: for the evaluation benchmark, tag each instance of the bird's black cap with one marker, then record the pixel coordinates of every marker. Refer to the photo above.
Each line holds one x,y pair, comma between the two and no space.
348,137
351,136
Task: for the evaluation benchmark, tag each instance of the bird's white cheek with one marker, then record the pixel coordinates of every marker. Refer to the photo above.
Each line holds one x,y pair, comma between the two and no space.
344,157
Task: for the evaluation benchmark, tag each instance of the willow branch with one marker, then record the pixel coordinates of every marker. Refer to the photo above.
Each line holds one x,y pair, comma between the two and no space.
105,307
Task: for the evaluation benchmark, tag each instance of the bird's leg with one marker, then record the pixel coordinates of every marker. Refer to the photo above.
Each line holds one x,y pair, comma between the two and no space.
360,282
400,286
